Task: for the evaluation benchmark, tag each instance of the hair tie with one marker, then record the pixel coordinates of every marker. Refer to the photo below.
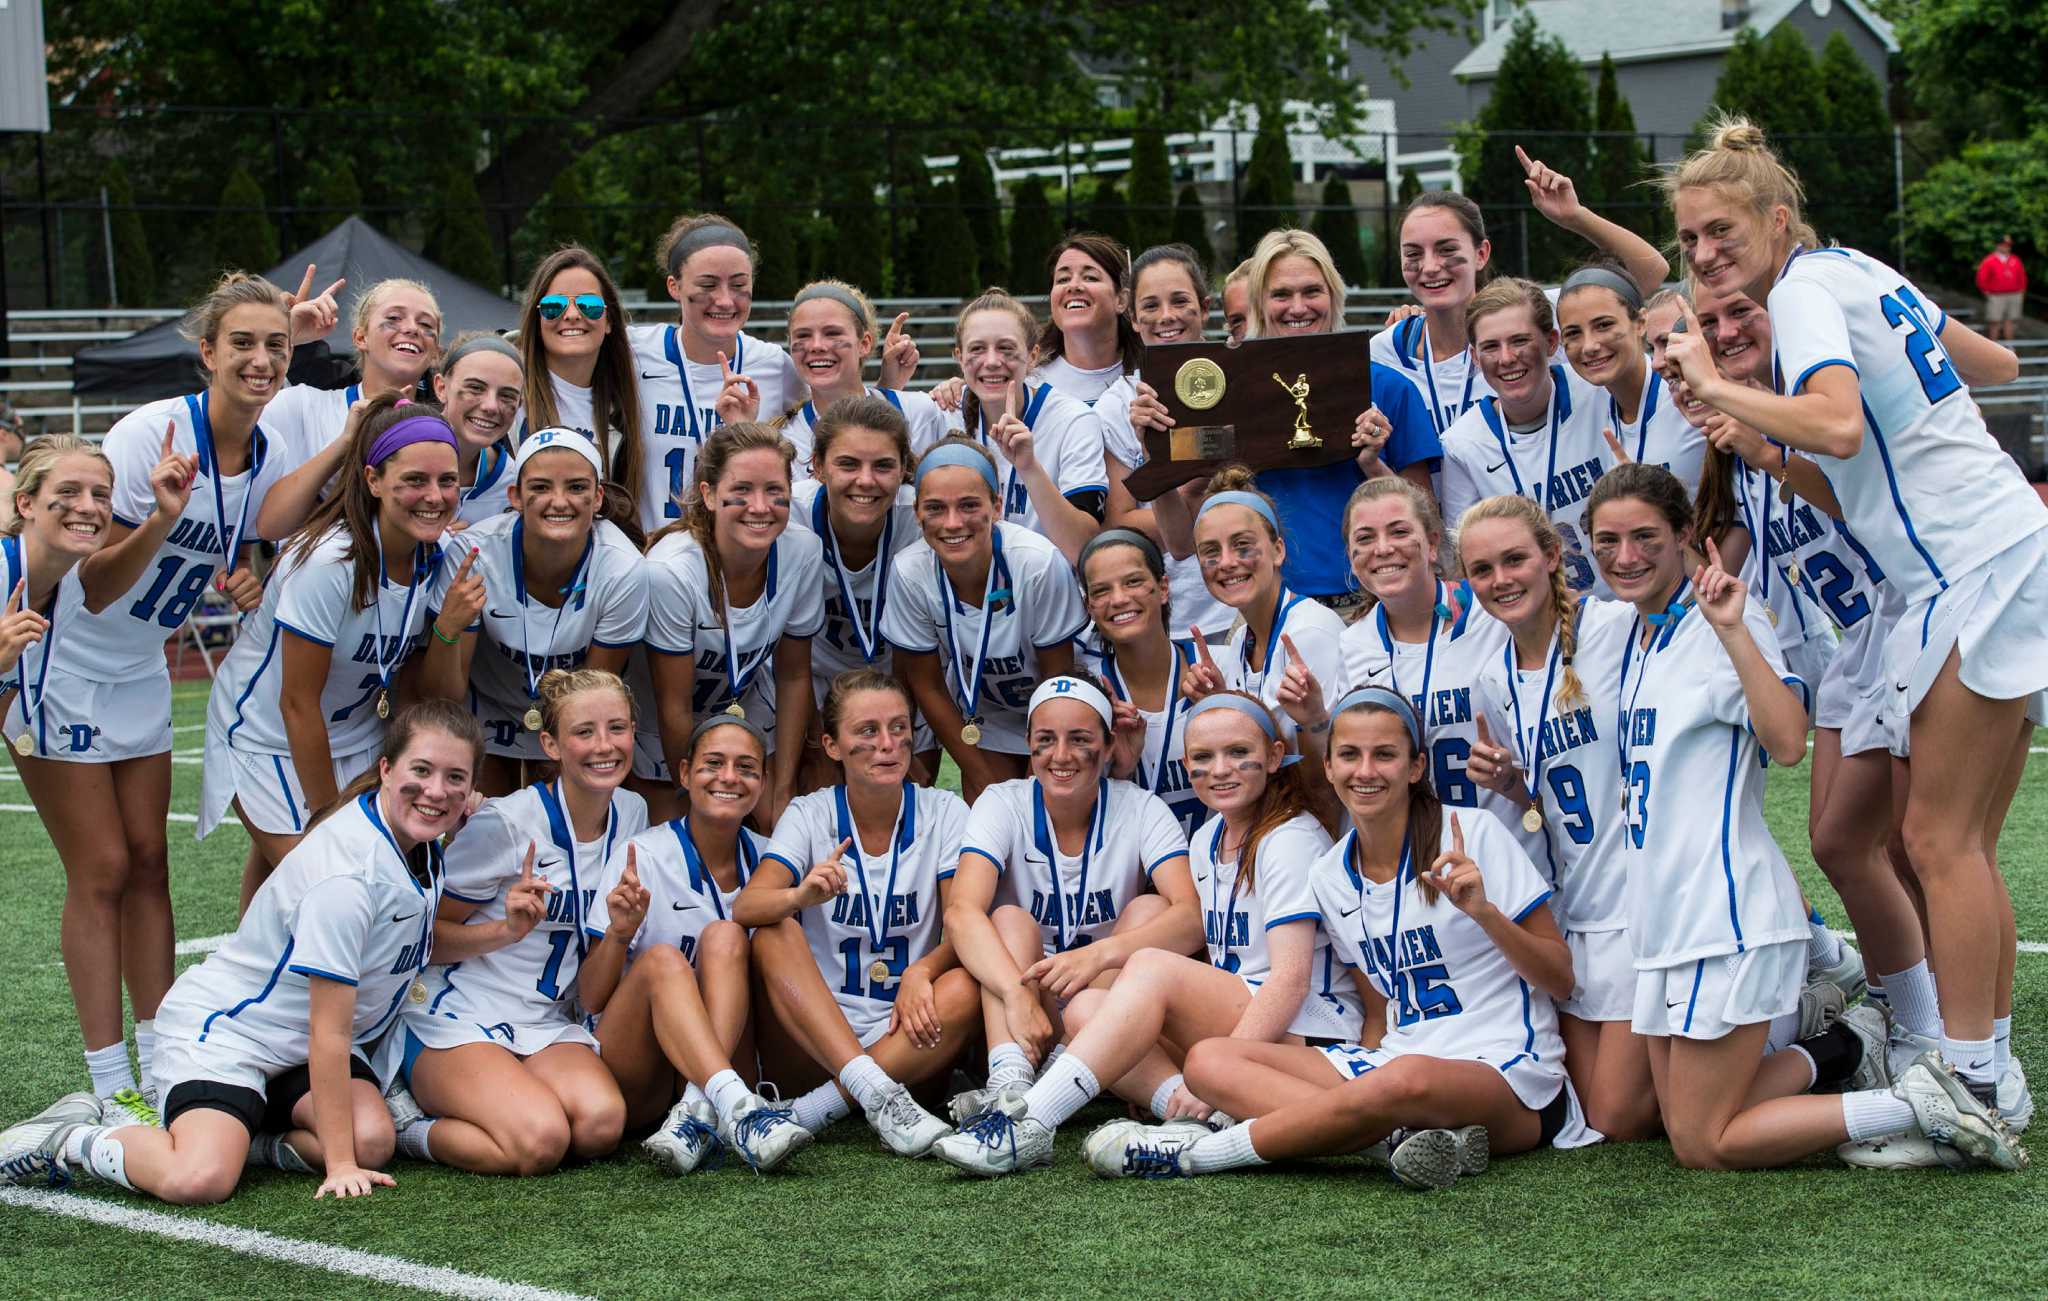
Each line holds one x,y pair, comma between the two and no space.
402,402
406,432
715,235
1251,501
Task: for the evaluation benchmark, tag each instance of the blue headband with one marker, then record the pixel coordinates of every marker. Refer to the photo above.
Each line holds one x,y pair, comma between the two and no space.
1393,701
961,454
1224,700
1251,501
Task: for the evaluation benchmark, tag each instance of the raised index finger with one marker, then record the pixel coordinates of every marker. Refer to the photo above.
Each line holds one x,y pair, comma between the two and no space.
1457,837
1714,555
14,601
1528,163
526,873
725,368
896,326
1201,646
170,435
305,284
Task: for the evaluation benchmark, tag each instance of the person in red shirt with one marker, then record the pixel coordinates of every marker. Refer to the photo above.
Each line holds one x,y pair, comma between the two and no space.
2003,281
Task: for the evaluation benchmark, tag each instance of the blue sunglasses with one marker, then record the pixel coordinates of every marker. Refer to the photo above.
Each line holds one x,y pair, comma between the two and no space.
552,306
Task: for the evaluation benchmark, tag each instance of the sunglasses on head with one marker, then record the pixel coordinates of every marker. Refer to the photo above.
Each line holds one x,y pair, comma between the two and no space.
552,306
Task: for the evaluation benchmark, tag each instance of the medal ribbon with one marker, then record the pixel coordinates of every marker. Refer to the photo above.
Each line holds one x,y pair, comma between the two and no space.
745,859
1489,409
877,922
1437,615
736,682
412,588
1284,606
868,639
574,594
17,565
1215,884
1183,653
1642,430
1532,754
671,344
367,801
1042,837
998,581
196,408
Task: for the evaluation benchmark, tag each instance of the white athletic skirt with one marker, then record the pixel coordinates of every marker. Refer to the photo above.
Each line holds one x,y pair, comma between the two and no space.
1708,998
83,721
1852,691
266,784
1603,976
1995,616
1320,1017
1535,1083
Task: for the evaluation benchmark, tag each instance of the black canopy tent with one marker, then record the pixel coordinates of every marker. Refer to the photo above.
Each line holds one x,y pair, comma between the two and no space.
159,362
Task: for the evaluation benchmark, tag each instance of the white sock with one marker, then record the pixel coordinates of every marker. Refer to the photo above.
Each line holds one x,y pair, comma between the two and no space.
1784,1032
1915,1004
100,1153
1063,1088
1227,1150
2001,1035
412,1140
1823,946
866,1081
821,1107
1874,993
1874,1113
727,1091
693,1094
1972,1058
109,1069
1164,1094
1008,1067
145,1049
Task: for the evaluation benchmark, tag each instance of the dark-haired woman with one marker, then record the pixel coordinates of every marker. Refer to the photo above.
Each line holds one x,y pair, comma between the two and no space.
579,365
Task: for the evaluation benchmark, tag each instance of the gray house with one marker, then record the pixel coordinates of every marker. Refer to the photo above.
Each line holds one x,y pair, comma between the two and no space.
1667,55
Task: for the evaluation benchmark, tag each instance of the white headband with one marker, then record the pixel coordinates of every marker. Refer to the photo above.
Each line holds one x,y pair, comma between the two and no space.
1069,688
558,438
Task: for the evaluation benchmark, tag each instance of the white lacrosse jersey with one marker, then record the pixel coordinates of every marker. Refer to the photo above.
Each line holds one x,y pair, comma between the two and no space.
683,619
1929,492
1450,992
535,977
1076,898
1162,767
1567,752
1660,434
124,641
1066,438
1705,878
679,408
345,906
1808,573
683,896
927,425
1316,631
312,596
1080,383
302,421
1031,604
1448,386
1235,921
852,596
485,495
519,637
890,911
1554,465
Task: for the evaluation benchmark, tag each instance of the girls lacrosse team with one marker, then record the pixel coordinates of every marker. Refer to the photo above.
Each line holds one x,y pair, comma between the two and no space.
587,728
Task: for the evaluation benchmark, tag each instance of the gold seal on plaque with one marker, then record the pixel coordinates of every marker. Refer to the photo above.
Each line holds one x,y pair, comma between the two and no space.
1199,384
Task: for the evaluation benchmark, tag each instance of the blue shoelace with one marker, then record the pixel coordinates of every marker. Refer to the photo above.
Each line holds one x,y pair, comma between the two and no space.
692,1130
992,1129
1149,1161
756,1124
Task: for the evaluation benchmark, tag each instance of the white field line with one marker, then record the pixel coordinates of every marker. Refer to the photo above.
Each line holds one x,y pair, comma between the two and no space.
204,944
390,1270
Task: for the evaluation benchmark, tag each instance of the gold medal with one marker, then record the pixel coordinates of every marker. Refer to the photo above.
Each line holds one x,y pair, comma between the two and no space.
383,704
418,992
532,719
878,971
1199,384
969,735
24,745
736,709
1532,820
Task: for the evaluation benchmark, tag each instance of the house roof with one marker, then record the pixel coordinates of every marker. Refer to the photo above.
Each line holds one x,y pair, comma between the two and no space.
1682,29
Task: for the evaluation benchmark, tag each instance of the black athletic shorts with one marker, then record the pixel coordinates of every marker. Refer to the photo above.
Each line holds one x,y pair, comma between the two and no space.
268,1112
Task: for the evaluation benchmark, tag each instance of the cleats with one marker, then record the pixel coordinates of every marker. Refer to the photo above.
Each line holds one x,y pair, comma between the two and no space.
1126,1149
904,1127
1429,1159
686,1138
763,1134
1951,1115
1847,975
969,1103
1908,1151
32,1153
405,1112
2015,1099
1870,1026
1820,1005
1000,1141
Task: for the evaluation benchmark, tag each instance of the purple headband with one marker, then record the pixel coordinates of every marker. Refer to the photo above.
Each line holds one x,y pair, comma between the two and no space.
412,429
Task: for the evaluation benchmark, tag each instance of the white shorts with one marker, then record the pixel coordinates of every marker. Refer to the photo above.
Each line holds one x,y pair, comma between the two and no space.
1708,998
1603,976
1809,660
868,1018
84,721
445,1029
267,786
1536,1084
180,1058
1320,1016
1996,619
1852,690
648,761
505,729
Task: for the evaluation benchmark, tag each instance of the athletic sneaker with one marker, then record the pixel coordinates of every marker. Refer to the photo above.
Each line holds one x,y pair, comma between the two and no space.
32,1153
1905,1046
2015,1099
1846,975
1950,1114
1872,1028
1475,1149
1000,1141
1820,1005
1426,1159
904,1127
764,1134
687,1136
405,1110
969,1103
132,1107
1128,1149
1912,1150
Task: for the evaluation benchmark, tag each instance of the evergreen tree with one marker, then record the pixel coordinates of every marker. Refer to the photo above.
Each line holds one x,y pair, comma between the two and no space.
1152,208
1861,207
462,235
561,217
1034,229
334,196
983,208
1411,186
1108,213
1336,224
951,266
1266,200
858,242
134,269
917,216
772,229
243,236
1191,227
1774,82
1619,159
1539,86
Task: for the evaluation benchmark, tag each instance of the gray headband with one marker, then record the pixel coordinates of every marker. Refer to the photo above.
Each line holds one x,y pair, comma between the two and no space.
716,235
1623,287
728,720
1239,704
837,295
1391,701
481,343
1122,538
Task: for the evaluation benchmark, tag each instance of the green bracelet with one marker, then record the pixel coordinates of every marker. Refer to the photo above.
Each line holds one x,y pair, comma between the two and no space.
440,637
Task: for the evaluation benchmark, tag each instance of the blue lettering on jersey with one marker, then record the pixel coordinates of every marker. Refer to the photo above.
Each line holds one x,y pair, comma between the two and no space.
1788,535
396,646
561,908
1096,908
1240,924
1566,732
852,910
541,663
1573,484
199,535
1642,726
1446,707
408,960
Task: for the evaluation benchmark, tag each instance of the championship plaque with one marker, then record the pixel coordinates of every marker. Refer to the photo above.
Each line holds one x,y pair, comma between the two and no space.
1270,404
